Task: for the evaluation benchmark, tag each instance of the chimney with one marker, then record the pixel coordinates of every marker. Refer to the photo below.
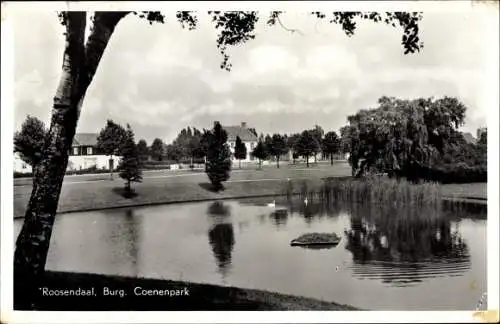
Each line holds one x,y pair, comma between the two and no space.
243,125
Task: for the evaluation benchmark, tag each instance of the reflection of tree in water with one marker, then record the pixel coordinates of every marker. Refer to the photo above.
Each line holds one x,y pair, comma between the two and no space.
404,245
279,217
315,208
132,239
221,236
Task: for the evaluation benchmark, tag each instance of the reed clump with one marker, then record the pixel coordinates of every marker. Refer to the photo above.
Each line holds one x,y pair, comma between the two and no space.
373,190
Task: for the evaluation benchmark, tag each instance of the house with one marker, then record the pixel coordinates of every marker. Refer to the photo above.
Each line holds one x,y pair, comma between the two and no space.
19,165
469,138
84,154
247,137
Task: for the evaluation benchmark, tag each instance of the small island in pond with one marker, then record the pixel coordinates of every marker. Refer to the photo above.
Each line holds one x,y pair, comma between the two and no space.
316,239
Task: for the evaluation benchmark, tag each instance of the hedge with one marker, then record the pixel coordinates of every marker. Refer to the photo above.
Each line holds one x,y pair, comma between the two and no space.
454,173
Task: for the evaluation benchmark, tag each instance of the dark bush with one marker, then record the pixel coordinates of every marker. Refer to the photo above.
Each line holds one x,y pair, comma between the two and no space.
453,173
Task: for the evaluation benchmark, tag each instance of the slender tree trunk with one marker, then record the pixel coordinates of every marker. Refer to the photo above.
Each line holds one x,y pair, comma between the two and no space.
79,65
331,158
111,166
307,160
278,162
239,162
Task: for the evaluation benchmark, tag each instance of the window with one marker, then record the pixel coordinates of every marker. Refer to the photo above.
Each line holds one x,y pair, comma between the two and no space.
75,150
24,166
252,145
89,150
232,144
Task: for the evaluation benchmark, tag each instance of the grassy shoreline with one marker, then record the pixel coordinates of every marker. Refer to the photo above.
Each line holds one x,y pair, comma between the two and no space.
107,194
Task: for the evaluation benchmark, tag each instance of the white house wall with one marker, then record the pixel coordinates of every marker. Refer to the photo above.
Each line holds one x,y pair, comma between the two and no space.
248,145
21,166
78,162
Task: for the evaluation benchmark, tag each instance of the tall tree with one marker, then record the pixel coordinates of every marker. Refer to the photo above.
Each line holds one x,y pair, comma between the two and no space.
291,144
277,147
401,137
260,152
174,152
157,149
130,165
80,63
318,133
240,150
29,141
307,145
218,163
330,145
143,150
110,141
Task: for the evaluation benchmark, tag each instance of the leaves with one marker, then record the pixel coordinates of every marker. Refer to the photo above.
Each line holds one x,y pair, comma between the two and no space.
408,21
157,149
401,135
30,140
240,150
111,138
130,164
260,151
218,156
235,27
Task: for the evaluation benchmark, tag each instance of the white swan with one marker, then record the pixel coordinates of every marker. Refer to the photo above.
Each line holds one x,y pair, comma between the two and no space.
306,201
273,204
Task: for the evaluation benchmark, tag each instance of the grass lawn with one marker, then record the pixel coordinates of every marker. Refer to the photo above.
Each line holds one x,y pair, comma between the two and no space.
98,192
201,296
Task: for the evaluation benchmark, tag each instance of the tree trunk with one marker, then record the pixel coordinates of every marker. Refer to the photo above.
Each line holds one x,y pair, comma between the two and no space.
239,163
278,162
111,166
79,65
307,160
331,158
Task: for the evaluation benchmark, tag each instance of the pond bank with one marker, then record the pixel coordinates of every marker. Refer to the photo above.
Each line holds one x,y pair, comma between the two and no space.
188,296
101,195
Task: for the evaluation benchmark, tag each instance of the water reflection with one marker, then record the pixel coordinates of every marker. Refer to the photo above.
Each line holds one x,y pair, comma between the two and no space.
403,247
132,237
221,236
279,218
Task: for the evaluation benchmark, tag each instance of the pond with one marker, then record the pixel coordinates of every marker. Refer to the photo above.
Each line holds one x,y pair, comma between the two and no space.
381,263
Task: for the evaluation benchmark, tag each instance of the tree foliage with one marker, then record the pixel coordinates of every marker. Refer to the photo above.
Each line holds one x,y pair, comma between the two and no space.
307,145
157,149
401,136
143,150
277,147
111,138
240,150
29,141
291,144
130,166
330,145
260,152
188,144
218,163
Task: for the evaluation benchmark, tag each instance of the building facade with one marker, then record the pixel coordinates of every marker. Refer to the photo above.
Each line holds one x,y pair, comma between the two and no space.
21,166
84,154
247,137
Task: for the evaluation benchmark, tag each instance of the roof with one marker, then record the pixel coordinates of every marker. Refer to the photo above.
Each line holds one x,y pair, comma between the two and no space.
244,133
85,139
469,138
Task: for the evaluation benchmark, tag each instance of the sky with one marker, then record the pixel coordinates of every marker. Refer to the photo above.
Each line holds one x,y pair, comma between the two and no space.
161,78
